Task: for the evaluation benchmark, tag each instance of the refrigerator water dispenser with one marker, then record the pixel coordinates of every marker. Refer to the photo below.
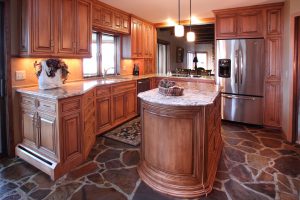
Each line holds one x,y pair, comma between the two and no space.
224,68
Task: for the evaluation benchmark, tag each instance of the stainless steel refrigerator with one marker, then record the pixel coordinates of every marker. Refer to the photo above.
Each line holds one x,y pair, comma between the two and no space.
240,72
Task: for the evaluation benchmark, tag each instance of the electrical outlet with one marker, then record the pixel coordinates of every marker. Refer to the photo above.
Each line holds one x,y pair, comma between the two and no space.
20,75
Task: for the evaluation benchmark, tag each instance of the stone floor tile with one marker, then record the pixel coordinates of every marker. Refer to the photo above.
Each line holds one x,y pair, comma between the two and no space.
113,164
268,153
27,187
82,170
241,135
92,192
222,176
124,178
268,142
286,165
144,192
241,173
18,171
63,191
264,188
234,154
117,145
96,178
131,158
109,154
265,177
257,162
286,196
40,194
43,180
253,145
12,197
238,192
7,188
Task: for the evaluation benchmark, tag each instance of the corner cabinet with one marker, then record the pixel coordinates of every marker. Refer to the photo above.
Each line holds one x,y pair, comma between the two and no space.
110,19
56,28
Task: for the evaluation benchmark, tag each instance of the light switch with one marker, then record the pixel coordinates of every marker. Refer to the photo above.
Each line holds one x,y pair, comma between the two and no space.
20,75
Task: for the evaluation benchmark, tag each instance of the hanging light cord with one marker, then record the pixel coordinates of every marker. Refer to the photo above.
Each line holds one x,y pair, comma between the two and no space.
190,15
178,12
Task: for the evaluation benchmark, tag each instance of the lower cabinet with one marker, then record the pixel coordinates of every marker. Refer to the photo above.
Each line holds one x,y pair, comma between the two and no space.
58,135
103,114
272,115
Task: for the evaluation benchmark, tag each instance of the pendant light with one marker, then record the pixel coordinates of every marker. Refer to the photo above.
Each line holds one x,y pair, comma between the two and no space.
190,36
179,29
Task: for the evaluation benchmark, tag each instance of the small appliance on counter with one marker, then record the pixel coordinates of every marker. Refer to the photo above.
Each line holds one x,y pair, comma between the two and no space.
136,70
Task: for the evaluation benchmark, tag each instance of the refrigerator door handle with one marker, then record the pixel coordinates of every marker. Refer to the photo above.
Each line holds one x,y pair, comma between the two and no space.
2,88
239,97
241,65
236,58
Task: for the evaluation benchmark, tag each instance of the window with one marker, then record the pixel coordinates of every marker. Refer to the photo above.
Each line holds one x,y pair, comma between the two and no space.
162,57
202,59
104,56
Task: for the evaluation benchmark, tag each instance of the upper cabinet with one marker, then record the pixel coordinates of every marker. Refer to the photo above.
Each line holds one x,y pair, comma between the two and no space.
110,19
249,22
140,44
56,28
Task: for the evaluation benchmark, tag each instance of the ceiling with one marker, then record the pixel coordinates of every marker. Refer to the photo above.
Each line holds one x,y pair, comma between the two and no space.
157,11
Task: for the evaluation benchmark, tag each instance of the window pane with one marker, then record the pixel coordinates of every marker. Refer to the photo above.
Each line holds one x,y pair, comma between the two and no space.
162,58
108,54
190,58
202,60
90,65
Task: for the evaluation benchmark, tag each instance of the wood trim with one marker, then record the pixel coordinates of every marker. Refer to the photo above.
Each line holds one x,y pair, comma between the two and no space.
291,133
249,7
9,101
210,20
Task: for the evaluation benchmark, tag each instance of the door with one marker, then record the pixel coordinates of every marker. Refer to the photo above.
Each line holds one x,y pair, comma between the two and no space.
297,60
119,107
43,26
84,27
103,113
251,67
2,84
228,49
242,109
131,105
66,27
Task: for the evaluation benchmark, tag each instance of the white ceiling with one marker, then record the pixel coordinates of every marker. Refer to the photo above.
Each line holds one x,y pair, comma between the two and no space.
160,10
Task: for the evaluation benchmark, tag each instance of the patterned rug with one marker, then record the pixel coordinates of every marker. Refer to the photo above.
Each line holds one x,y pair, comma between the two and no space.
129,133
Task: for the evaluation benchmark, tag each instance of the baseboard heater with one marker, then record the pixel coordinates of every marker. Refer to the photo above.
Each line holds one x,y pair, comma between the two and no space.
46,165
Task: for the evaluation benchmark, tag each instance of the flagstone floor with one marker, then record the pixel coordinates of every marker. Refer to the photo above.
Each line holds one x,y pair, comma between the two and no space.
256,164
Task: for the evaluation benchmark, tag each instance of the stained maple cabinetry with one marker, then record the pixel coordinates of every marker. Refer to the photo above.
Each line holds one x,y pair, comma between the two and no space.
110,19
56,28
263,21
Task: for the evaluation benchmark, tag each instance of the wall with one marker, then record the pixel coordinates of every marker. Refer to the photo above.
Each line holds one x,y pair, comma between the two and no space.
291,7
181,42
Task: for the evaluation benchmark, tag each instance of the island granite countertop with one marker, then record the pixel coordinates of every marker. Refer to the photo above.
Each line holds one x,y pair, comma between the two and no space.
194,94
81,87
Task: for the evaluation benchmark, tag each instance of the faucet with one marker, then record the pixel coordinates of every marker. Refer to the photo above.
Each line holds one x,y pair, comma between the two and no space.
105,72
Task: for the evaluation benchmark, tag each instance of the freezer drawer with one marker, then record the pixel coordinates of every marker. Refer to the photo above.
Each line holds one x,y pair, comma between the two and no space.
246,109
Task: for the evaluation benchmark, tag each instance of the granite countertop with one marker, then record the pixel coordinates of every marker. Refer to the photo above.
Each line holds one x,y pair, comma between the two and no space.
81,87
194,94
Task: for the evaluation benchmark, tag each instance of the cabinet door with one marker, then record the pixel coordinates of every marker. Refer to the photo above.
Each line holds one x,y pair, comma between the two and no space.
47,135
250,24
103,113
107,17
131,105
136,38
118,21
28,127
273,58
71,136
96,16
119,107
226,26
43,27
274,21
125,24
272,104
66,27
84,28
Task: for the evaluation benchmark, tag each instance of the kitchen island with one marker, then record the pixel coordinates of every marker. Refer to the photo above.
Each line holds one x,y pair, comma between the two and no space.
181,140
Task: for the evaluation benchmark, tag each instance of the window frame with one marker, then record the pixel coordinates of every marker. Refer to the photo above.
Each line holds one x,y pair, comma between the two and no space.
99,56
195,54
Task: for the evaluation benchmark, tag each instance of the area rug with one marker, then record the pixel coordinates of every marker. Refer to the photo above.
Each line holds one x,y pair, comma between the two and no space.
129,133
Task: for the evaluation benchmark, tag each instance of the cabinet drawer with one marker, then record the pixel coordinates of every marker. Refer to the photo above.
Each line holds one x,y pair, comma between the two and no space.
70,105
124,87
47,106
103,91
27,101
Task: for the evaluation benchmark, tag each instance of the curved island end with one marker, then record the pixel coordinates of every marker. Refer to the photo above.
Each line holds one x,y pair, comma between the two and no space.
181,140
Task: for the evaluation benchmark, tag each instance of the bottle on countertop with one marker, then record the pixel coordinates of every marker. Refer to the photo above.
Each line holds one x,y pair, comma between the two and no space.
136,70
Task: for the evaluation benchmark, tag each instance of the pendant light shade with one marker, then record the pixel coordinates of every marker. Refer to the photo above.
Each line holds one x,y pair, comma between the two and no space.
179,29
190,36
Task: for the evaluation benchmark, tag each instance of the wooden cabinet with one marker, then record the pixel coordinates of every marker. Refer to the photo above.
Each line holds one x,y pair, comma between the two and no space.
274,21
250,24
109,19
119,107
226,25
273,58
66,27
272,114
55,28
140,44
103,118
130,103
240,24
